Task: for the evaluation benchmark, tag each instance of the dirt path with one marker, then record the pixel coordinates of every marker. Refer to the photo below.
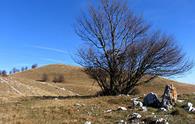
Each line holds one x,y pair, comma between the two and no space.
11,85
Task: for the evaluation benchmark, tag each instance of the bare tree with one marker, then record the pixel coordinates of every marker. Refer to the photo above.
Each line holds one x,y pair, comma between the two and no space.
122,49
22,69
14,70
10,73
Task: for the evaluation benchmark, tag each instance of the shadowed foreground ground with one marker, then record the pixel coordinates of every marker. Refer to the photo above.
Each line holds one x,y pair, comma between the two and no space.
77,110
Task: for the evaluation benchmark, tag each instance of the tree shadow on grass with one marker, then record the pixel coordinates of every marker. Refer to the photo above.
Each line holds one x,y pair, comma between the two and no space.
64,97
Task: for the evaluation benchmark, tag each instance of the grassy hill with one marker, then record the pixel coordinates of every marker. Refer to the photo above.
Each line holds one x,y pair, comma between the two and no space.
77,80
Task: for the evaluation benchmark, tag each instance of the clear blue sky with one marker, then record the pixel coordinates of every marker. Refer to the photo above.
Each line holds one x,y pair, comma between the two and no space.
41,31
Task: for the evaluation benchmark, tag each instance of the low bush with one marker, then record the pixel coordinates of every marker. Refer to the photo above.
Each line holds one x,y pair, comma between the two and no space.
44,78
58,78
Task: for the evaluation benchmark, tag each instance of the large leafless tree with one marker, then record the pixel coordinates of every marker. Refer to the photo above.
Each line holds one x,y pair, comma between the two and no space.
122,49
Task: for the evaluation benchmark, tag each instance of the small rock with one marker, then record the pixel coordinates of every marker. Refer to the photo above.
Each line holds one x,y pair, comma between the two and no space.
122,122
140,104
87,122
163,109
162,121
108,111
136,115
135,99
180,101
77,104
190,107
122,108
63,88
137,103
144,108
56,99
123,95
189,104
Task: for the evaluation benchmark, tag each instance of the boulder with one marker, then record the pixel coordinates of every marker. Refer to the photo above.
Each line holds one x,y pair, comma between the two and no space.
166,100
151,100
169,96
173,95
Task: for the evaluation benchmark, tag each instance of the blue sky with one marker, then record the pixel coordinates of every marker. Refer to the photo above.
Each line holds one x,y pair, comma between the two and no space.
41,31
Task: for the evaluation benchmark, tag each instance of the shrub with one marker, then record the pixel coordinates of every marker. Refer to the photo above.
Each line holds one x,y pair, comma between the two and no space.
61,78
44,78
58,78
4,73
34,66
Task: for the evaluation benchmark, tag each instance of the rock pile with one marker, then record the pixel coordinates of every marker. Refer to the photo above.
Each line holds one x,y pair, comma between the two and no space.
168,100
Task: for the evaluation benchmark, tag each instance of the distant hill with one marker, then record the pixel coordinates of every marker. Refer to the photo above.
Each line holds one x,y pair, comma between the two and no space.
78,81
75,79
72,74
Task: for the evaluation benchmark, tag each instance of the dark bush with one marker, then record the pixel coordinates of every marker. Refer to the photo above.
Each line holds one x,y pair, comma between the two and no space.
44,78
58,78
4,73
34,66
61,78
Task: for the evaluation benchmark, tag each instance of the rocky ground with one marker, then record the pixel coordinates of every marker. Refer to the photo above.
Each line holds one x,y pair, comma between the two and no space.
89,109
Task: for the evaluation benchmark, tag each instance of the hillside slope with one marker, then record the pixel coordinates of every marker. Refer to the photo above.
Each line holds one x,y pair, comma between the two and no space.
13,87
78,81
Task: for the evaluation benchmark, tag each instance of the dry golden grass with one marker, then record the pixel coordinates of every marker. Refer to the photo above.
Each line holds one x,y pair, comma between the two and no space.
157,85
77,110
